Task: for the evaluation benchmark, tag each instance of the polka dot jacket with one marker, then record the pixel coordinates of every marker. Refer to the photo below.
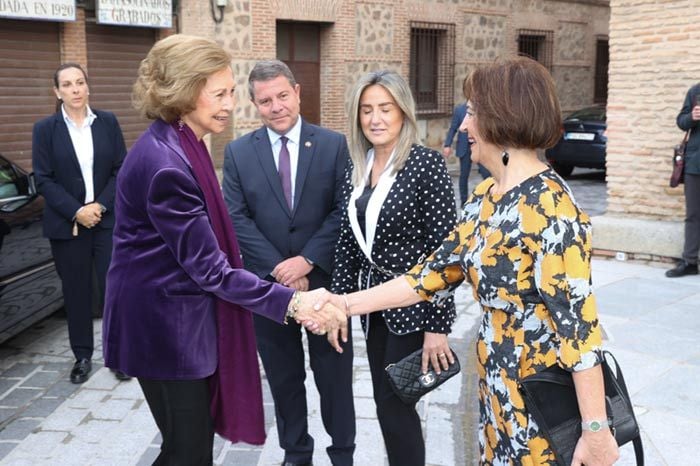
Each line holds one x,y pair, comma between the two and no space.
416,215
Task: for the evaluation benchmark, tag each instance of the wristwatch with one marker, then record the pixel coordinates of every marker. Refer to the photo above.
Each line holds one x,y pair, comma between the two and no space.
594,425
308,261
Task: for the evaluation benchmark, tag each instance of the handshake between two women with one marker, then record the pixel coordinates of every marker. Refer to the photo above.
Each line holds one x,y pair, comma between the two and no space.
321,312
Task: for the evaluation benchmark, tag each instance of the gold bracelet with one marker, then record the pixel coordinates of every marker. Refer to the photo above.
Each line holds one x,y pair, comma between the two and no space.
347,306
293,307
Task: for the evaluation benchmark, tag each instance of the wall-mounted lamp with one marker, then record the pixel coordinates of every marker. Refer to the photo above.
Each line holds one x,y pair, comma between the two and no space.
218,5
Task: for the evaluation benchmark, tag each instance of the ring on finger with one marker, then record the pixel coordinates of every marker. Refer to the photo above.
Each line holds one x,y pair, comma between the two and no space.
442,355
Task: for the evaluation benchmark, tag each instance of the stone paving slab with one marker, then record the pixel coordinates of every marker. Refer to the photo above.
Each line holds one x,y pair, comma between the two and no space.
45,420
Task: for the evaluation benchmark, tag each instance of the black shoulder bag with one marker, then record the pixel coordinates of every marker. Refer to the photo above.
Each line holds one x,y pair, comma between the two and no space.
550,397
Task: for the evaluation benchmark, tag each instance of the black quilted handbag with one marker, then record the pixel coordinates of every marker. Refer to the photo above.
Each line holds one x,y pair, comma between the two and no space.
550,398
409,383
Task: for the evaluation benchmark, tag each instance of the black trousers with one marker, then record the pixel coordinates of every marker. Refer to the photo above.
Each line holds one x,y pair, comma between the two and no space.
400,423
282,354
181,411
691,244
75,259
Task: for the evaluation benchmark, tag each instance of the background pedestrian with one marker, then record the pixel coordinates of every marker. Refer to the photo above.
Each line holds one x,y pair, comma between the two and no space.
76,154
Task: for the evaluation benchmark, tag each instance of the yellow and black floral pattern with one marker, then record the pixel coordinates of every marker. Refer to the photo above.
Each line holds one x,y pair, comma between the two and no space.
526,254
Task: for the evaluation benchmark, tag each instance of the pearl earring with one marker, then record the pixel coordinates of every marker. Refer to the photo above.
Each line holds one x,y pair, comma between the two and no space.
505,156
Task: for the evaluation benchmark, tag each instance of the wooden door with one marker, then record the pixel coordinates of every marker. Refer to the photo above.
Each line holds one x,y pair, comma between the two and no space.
298,45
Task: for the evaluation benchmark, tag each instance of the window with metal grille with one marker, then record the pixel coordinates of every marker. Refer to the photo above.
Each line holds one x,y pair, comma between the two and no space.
602,60
536,44
432,67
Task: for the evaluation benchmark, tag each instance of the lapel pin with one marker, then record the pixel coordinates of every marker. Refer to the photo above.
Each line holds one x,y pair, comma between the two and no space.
307,144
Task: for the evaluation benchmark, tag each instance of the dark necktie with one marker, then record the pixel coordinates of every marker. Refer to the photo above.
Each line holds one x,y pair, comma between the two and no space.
285,172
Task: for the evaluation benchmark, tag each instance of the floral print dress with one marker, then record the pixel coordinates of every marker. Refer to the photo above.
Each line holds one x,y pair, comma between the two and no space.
526,254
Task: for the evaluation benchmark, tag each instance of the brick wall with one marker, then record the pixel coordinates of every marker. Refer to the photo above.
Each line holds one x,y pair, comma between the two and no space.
653,62
359,36
73,45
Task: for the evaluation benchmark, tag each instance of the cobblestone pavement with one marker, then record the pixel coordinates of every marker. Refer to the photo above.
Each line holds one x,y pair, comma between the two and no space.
588,186
46,420
590,190
650,322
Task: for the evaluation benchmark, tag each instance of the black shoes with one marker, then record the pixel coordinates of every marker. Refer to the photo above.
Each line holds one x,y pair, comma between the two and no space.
683,268
81,371
121,376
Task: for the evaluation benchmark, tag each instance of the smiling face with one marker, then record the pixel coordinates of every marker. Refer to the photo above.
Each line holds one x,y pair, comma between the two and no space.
72,89
278,103
481,150
214,105
380,117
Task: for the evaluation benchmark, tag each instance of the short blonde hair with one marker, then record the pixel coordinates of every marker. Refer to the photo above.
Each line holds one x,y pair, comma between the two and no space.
400,91
173,74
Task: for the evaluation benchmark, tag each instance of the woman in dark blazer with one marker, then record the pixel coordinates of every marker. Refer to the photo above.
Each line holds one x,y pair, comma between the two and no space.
76,154
178,305
400,206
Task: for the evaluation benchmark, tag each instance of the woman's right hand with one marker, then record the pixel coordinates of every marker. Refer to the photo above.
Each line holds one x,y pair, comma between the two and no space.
596,449
317,312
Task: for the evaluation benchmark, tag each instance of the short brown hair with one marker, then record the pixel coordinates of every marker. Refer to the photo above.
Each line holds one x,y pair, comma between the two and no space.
515,103
173,74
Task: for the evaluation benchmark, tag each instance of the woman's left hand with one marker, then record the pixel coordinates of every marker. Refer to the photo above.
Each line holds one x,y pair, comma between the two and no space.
436,350
596,449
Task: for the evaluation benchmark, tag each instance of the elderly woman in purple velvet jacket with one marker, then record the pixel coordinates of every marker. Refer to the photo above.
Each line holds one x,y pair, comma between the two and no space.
177,312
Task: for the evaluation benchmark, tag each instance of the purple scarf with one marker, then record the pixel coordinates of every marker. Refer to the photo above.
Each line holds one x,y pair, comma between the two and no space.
236,394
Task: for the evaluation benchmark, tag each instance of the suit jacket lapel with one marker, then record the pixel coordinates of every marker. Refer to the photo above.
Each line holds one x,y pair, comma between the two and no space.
307,149
374,206
263,150
355,224
99,137
64,140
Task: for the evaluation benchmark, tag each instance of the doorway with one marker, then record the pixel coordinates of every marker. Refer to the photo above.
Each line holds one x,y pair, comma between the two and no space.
299,46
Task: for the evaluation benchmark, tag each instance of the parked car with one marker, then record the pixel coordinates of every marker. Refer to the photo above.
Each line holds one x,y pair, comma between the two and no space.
29,285
582,143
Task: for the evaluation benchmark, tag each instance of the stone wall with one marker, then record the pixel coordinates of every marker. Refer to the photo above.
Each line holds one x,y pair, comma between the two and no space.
362,35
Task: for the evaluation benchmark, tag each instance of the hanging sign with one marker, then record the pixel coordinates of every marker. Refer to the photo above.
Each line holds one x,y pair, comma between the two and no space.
144,13
52,10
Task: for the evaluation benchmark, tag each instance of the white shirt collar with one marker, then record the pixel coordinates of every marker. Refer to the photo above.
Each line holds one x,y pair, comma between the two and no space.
294,134
89,119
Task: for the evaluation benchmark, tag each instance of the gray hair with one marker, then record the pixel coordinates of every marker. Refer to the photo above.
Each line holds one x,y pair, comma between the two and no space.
399,90
266,70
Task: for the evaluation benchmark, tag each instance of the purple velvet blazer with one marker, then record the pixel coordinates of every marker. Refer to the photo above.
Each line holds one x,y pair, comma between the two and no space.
159,318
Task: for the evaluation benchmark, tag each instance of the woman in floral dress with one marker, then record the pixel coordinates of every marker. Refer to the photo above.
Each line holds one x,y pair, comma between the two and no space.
524,246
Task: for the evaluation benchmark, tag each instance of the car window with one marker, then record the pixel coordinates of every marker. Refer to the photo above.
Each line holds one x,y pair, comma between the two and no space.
588,114
8,180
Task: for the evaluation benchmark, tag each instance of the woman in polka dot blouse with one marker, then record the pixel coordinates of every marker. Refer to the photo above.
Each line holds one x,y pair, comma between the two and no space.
400,206
524,245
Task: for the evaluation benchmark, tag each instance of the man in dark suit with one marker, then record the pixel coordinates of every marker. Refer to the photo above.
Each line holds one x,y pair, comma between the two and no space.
282,184
76,154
